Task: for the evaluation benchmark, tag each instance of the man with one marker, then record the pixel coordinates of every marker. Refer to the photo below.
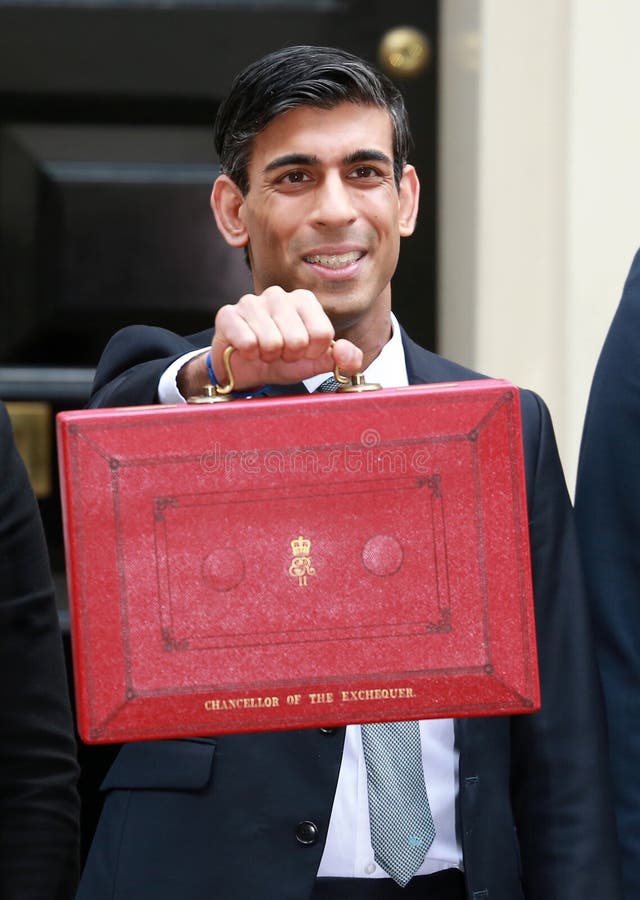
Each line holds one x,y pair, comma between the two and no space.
608,519
316,188
39,803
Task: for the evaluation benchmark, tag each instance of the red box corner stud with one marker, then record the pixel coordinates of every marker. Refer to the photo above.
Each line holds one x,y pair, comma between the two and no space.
300,561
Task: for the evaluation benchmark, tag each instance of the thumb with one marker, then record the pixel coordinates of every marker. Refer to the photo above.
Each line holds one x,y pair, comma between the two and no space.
347,356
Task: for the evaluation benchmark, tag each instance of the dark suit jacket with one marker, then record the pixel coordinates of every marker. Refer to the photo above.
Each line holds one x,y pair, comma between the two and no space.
39,804
218,817
608,517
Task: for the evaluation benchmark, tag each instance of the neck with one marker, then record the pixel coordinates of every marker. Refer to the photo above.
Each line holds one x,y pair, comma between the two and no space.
370,335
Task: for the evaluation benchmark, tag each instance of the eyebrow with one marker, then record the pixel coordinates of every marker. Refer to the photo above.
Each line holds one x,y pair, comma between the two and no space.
304,159
367,155
291,159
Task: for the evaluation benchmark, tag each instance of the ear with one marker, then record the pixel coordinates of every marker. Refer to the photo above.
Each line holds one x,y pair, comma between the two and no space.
226,203
409,193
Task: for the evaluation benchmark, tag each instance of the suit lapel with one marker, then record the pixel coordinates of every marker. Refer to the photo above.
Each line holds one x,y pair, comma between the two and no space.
425,367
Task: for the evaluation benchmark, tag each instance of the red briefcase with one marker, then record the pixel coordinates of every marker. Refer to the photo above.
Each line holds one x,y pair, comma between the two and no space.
301,561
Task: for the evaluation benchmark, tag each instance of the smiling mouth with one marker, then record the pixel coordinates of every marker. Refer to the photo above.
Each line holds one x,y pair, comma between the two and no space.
334,261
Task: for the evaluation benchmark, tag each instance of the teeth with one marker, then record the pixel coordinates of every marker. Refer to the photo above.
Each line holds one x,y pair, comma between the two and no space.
334,262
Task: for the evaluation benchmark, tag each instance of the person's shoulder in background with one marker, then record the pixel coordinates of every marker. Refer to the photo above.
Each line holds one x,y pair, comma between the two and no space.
39,802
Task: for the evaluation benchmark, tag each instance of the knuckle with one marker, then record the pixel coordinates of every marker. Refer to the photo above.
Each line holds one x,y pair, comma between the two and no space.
305,296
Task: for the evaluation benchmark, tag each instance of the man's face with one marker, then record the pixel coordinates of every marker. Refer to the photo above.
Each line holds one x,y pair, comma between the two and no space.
323,211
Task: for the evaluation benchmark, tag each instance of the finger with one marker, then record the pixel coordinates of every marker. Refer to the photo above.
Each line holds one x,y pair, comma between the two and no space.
347,357
274,317
252,328
232,327
287,325
307,331
317,324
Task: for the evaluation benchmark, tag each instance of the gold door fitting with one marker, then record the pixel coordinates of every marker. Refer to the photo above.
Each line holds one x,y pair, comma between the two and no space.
404,52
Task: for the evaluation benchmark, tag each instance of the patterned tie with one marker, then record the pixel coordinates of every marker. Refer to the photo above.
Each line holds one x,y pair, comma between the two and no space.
402,828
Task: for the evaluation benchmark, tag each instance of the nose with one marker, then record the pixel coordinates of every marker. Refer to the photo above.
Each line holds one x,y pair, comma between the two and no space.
335,202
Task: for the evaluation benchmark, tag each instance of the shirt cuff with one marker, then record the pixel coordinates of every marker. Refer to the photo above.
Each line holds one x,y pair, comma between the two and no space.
168,386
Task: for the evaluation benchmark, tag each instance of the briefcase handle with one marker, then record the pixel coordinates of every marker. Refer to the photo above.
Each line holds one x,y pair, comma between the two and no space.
214,393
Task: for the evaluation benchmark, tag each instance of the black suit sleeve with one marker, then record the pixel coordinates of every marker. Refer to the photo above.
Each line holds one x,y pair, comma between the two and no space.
608,518
39,805
133,361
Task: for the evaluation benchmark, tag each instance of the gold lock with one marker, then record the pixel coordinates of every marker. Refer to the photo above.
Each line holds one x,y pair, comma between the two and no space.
354,384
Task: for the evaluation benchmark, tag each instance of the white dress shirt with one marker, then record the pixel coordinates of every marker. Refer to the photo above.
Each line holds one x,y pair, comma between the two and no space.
348,852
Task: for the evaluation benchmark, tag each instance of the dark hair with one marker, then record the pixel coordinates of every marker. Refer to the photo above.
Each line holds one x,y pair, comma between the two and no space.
301,76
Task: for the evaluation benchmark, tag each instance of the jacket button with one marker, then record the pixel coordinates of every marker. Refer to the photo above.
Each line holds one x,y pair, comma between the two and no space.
306,832
328,730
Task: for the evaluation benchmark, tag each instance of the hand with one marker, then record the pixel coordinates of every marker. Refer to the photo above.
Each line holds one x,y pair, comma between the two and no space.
279,337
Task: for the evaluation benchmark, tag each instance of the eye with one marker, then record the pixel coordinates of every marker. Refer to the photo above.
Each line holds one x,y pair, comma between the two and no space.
296,177
364,171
